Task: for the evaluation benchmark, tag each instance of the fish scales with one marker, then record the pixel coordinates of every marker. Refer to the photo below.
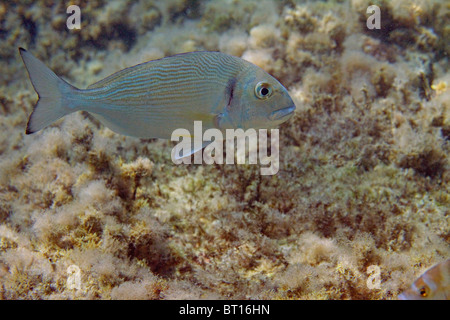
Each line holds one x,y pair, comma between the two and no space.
149,91
167,80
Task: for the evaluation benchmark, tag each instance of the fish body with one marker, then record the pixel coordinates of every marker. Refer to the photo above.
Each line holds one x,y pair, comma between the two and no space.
152,99
434,284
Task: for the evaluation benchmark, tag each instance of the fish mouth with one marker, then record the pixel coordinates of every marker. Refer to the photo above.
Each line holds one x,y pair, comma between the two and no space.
282,113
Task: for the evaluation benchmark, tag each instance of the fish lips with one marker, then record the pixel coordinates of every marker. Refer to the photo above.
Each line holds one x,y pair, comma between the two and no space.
282,113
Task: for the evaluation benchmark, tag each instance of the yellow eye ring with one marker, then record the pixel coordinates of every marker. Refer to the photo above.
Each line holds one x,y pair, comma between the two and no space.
263,90
423,292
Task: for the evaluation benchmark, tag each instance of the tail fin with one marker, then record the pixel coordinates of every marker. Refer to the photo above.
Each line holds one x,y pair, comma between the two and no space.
51,90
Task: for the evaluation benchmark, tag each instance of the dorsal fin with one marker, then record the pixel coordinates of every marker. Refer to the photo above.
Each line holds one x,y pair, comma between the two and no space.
105,82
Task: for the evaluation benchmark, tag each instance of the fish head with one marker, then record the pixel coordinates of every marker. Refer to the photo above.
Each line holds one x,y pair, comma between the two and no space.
419,290
426,287
431,285
259,101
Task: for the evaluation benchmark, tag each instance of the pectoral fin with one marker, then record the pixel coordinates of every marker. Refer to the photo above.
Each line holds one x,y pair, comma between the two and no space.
186,148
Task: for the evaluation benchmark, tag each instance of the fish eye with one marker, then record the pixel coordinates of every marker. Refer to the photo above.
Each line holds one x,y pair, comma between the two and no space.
263,90
423,291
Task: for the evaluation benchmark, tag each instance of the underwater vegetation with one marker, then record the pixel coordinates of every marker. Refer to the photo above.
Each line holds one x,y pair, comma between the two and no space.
86,213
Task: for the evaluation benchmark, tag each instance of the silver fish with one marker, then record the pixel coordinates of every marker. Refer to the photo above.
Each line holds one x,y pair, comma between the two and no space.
433,284
152,99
